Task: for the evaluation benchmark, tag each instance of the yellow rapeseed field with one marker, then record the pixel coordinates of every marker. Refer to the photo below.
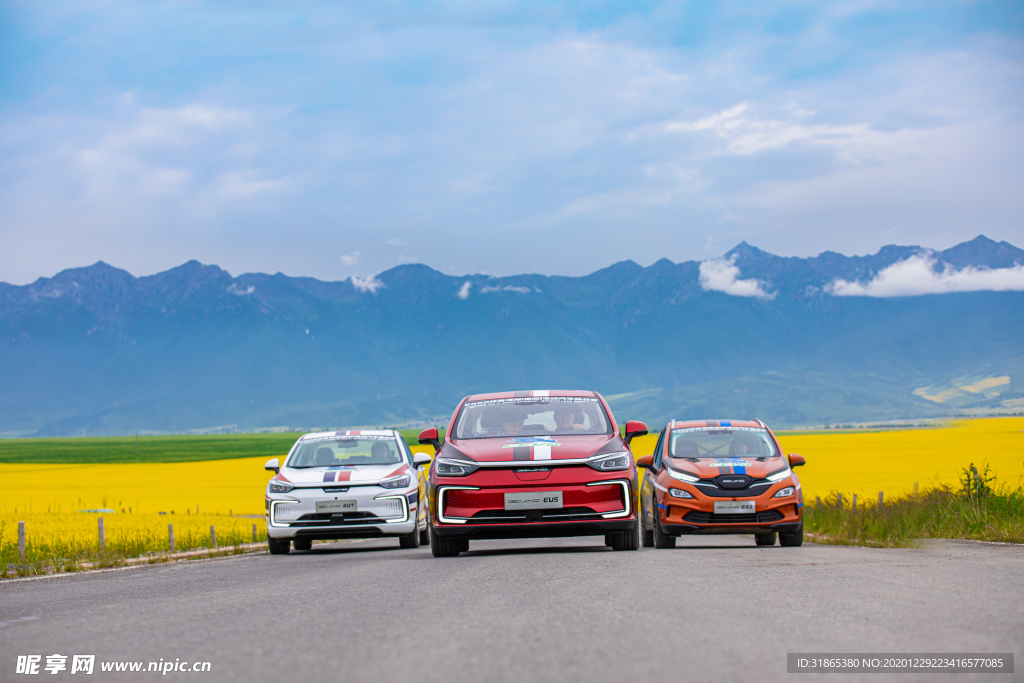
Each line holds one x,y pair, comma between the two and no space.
48,497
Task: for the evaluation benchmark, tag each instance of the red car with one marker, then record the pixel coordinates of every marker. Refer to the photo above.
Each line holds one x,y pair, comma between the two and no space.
529,464
721,477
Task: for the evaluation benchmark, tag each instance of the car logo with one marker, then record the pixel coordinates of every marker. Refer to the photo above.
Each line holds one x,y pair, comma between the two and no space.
335,490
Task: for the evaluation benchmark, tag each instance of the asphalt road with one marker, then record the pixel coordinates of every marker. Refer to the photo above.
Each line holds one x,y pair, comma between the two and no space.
714,609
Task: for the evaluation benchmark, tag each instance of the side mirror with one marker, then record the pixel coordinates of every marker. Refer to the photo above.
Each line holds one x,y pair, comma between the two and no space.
634,428
274,465
646,461
420,459
796,460
429,436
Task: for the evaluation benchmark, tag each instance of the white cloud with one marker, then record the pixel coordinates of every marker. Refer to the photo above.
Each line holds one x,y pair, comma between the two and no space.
366,284
509,288
722,275
464,290
350,259
238,291
397,242
747,135
917,275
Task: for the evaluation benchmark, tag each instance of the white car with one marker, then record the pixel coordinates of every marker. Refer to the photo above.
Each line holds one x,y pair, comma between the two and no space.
346,484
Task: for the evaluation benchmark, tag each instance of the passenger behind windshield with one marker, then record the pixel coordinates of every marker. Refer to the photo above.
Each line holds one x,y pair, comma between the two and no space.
531,417
346,451
722,443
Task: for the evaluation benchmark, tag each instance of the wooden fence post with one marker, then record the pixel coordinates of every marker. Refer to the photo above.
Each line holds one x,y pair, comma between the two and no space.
817,501
103,536
881,500
213,537
839,500
915,488
170,537
853,505
254,537
21,540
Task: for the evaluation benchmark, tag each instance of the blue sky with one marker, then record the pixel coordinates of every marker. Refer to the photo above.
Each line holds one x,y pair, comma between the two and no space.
339,139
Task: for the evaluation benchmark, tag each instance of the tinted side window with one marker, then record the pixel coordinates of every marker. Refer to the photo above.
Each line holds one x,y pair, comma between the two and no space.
659,449
405,448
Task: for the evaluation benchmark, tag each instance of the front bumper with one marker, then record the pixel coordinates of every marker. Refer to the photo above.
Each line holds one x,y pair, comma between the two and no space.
696,515
379,512
592,504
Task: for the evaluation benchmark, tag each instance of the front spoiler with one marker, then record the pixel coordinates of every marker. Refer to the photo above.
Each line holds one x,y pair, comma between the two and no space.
339,532
535,530
684,529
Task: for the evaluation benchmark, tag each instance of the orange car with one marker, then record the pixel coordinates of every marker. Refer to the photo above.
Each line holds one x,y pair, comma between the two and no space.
720,477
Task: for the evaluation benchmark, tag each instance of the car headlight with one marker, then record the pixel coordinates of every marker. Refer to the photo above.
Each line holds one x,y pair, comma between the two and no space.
449,467
613,461
682,476
788,491
399,482
679,493
780,475
278,486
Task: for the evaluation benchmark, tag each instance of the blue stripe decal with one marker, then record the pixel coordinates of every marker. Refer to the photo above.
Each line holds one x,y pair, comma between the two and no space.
739,470
663,507
725,423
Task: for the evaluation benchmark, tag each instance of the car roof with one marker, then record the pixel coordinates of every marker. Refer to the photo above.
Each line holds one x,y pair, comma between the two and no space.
536,393
689,424
350,432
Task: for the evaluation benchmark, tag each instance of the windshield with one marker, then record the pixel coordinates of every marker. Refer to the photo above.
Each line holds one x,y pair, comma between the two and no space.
732,442
555,415
346,450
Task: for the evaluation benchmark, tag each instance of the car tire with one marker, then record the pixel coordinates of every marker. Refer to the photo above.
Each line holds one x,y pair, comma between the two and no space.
647,539
608,539
792,539
444,547
425,536
464,545
410,540
302,544
661,539
765,539
628,539
278,547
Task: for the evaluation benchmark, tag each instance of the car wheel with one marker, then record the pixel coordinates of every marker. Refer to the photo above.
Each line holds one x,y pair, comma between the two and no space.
661,539
278,547
792,539
628,539
464,545
303,544
410,540
444,547
647,534
765,539
608,539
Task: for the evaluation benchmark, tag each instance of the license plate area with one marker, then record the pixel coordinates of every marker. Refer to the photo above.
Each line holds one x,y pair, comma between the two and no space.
735,507
336,507
534,500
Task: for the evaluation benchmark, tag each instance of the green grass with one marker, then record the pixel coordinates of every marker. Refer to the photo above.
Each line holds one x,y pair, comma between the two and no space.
980,509
122,449
126,449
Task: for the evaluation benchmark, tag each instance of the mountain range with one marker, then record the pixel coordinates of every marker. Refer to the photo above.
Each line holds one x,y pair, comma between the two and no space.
906,332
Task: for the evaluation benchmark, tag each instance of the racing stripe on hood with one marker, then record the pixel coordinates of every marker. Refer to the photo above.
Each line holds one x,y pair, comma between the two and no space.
400,470
541,452
521,453
522,394
329,475
344,475
541,394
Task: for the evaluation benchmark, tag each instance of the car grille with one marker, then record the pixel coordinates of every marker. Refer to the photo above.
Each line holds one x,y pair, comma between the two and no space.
698,517
523,516
348,519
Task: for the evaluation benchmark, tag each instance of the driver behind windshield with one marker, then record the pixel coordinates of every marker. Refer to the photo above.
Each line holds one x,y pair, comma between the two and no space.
568,418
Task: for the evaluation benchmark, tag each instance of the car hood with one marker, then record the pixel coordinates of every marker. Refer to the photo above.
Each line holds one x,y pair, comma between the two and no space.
363,474
520,448
709,468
